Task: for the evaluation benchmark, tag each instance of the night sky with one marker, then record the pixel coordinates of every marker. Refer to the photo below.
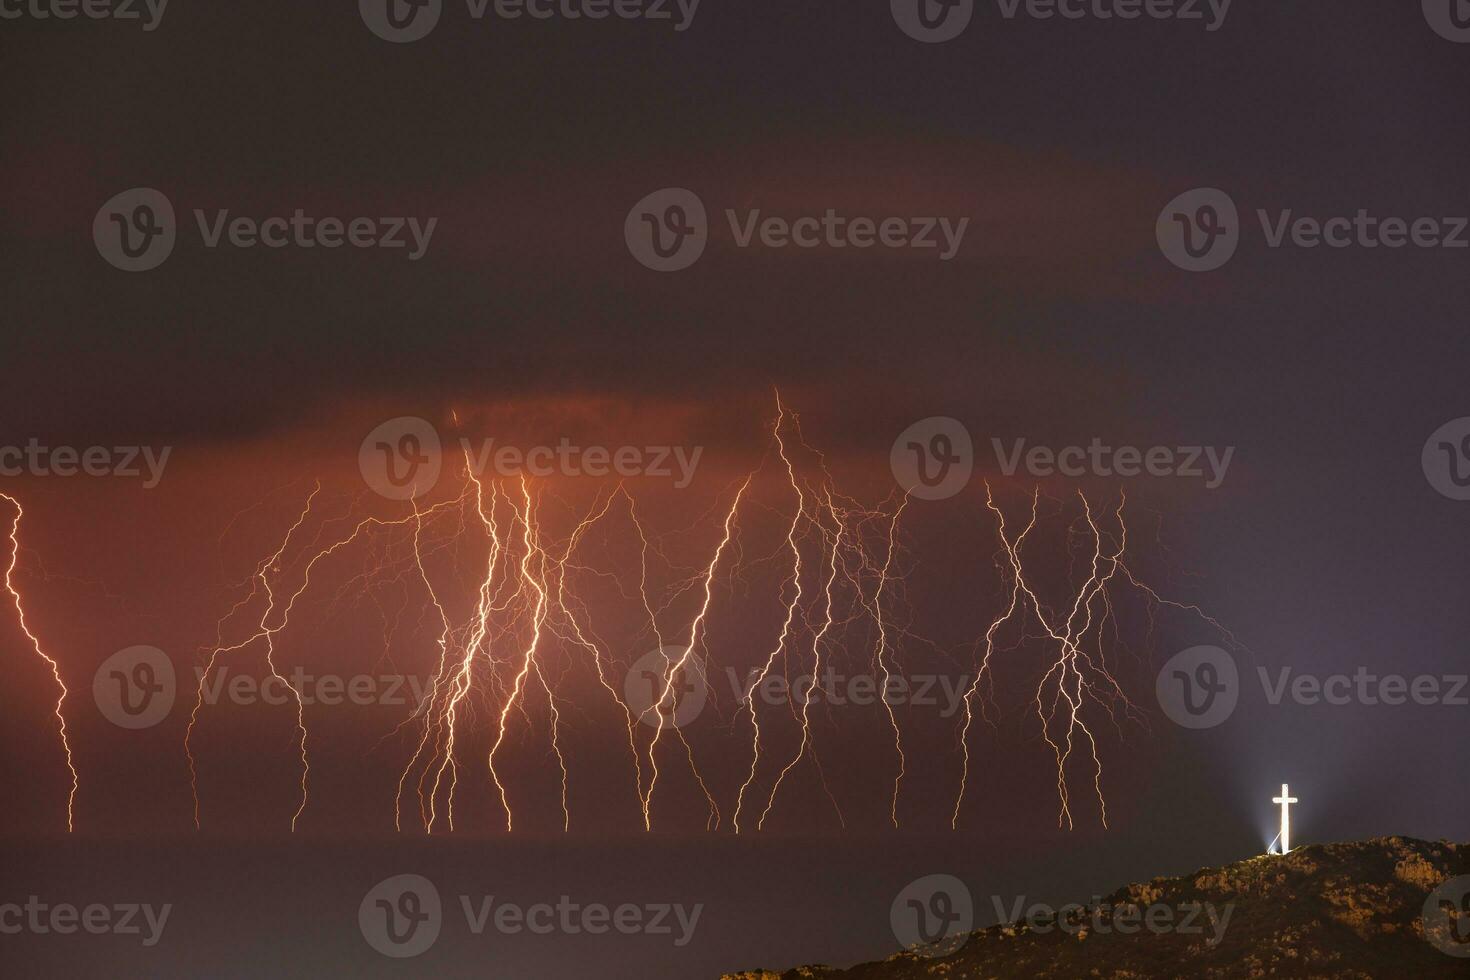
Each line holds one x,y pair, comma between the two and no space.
1324,549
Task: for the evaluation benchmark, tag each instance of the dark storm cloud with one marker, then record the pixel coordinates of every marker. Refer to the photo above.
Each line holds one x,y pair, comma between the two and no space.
530,142
529,290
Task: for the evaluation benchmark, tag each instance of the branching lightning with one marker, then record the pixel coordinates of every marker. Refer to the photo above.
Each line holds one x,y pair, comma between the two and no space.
1077,682
520,653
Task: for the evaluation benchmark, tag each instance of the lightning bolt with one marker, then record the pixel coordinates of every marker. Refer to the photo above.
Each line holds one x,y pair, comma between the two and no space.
510,631
528,661
793,583
814,506
833,553
983,673
878,656
50,662
1079,675
696,642
540,591
273,621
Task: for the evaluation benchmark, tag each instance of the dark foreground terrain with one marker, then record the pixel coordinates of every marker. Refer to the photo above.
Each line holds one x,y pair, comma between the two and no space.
1325,911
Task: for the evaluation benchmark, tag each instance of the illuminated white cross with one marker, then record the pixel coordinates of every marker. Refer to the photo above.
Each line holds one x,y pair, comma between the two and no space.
1286,800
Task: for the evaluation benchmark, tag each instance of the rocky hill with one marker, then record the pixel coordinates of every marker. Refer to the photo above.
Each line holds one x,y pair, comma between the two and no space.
1355,910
